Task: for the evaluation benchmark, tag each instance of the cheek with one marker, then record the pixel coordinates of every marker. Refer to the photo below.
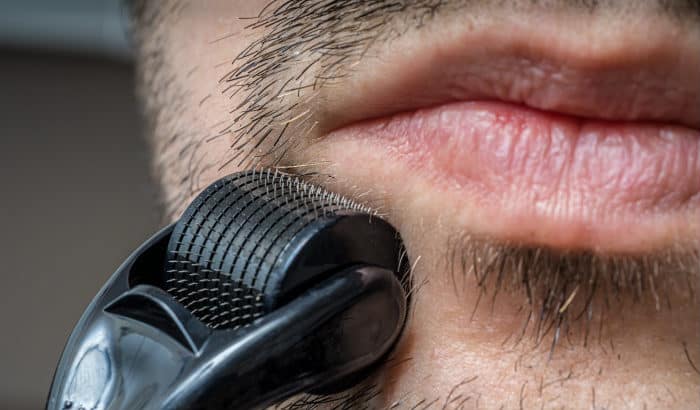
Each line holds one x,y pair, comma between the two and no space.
202,43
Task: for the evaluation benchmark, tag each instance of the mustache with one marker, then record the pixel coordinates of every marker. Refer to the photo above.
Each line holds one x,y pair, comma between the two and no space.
306,46
309,44
303,45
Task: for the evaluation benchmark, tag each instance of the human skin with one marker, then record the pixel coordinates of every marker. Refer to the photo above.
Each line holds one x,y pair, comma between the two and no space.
561,135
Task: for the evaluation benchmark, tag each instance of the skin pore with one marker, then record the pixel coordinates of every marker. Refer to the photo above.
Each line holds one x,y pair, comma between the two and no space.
506,314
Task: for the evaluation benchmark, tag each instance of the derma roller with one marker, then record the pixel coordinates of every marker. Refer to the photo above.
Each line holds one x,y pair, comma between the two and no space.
266,287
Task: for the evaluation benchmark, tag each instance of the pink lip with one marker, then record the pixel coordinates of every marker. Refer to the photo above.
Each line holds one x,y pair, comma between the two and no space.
609,71
594,141
565,178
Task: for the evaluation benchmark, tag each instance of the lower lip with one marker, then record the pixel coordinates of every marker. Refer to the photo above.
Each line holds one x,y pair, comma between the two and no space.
563,180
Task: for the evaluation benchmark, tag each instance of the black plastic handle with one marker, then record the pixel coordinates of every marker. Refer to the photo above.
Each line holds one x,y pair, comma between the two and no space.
136,347
328,337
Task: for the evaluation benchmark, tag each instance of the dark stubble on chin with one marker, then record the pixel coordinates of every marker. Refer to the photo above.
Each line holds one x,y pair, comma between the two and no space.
306,45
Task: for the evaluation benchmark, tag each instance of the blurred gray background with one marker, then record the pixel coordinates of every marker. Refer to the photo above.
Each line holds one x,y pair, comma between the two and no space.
76,194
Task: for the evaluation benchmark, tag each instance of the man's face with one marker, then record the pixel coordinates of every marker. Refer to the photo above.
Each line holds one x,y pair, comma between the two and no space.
541,160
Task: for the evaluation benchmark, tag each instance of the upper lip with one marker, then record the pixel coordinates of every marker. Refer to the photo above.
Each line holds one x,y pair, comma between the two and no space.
620,77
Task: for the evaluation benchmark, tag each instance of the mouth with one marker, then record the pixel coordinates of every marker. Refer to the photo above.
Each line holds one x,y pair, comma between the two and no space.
591,141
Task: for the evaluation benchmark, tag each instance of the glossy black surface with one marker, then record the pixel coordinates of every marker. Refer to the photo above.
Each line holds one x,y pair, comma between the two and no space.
137,348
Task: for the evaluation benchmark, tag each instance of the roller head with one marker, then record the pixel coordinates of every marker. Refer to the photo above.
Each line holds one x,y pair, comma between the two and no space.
253,241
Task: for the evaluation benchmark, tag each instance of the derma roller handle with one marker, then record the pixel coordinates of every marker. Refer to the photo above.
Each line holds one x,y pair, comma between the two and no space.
265,288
